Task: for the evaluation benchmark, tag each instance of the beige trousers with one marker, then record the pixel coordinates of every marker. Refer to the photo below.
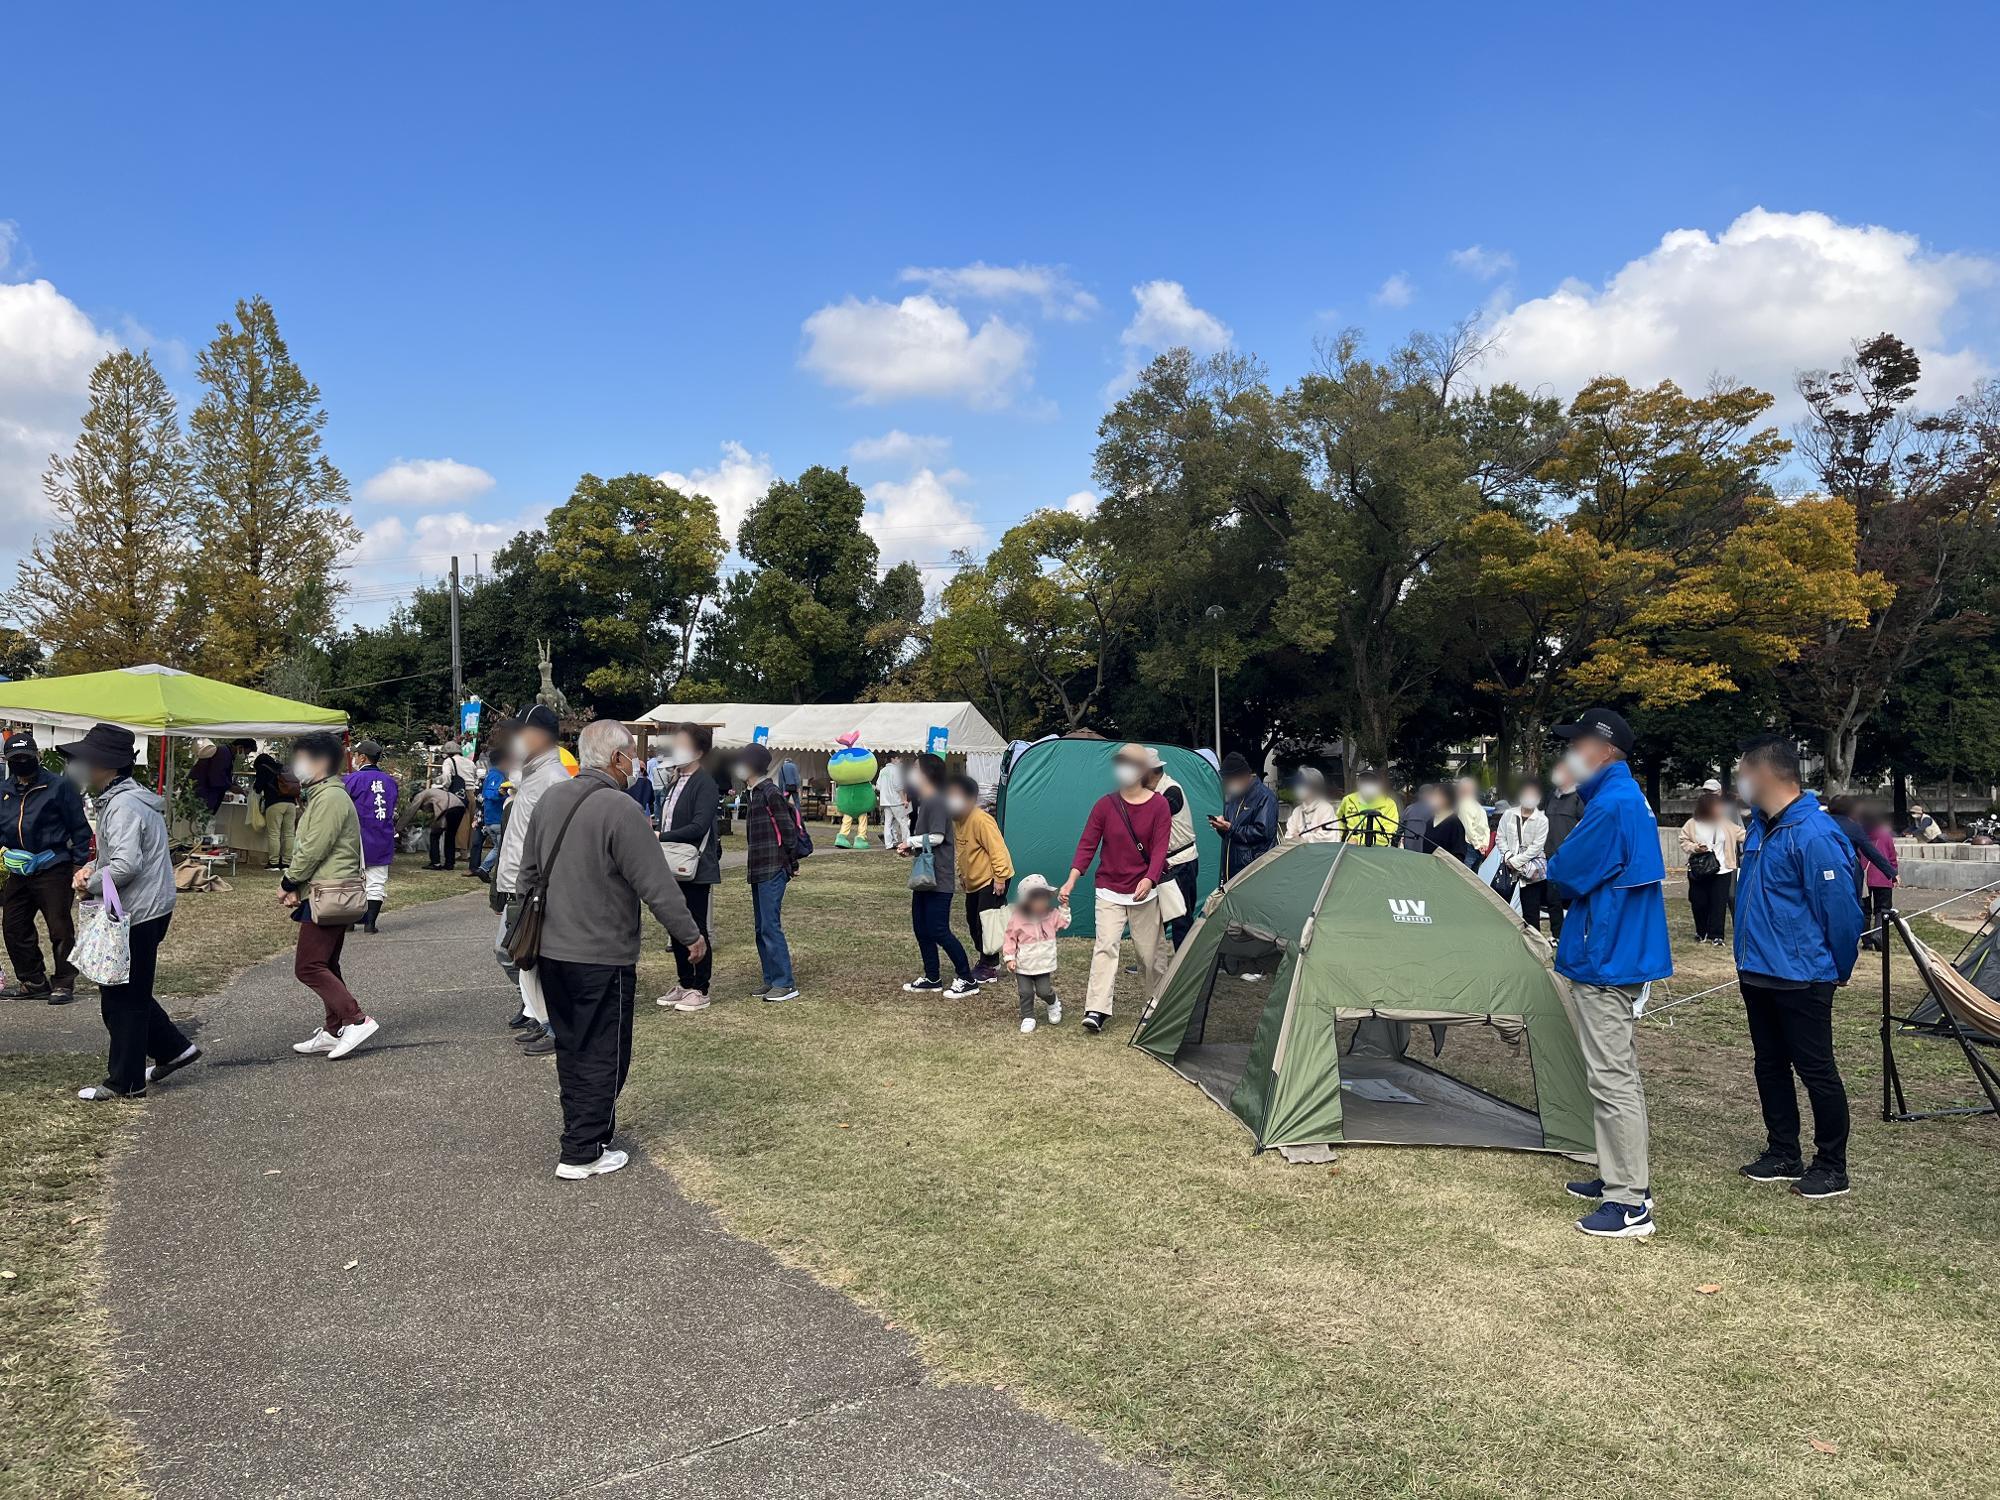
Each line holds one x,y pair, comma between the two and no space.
1149,936
1608,1033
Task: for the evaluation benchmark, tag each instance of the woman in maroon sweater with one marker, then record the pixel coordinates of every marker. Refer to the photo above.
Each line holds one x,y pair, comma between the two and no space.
1127,833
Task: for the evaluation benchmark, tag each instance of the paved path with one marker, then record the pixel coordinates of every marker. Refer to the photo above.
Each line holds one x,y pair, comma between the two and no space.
501,1333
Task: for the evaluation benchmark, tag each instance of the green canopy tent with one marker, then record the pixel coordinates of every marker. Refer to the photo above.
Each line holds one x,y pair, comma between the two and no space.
153,700
1047,793
1353,948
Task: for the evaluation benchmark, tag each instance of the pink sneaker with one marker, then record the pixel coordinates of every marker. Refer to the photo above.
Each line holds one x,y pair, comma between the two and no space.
691,1001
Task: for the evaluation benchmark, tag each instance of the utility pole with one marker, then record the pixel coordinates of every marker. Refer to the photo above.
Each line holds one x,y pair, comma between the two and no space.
457,676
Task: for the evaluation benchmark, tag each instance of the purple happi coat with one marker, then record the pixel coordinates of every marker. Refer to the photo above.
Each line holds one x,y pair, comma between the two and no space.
374,794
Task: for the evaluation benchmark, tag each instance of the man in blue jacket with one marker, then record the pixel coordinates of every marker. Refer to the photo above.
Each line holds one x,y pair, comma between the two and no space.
1249,820
44,840
1613,946
1797,924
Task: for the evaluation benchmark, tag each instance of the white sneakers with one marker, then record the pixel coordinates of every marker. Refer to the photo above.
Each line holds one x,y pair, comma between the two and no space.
672,998
1027,1025
691,1001
608,1161
351,1036
1055,1012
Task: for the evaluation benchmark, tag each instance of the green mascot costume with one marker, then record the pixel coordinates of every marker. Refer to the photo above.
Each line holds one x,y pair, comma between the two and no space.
852,771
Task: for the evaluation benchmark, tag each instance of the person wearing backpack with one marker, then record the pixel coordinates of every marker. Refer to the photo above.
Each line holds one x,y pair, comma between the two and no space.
775,841
277,792
454,779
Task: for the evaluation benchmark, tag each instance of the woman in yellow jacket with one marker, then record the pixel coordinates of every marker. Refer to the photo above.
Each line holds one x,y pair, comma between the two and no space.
984,868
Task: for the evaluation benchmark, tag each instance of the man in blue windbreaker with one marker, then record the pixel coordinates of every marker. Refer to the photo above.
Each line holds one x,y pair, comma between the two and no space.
1797,926
1613,946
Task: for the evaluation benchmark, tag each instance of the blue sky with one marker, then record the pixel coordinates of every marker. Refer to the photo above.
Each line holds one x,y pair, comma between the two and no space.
539,240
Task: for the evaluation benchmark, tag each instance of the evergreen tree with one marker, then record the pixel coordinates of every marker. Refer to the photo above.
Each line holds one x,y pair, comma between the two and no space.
273,509
105,586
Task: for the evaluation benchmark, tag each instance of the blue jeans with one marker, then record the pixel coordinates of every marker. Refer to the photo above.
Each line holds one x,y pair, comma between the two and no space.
767,901
930,919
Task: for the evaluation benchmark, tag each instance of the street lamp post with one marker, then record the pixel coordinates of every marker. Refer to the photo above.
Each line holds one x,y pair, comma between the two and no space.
1216,612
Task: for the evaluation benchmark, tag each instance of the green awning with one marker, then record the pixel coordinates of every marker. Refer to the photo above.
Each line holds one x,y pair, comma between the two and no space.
160,700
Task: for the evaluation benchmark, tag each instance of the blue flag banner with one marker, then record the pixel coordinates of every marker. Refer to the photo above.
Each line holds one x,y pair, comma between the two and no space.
468,718
761,735
938,739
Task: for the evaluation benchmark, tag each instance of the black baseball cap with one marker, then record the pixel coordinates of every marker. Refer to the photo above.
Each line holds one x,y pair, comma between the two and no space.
22,743
542,717
1601,724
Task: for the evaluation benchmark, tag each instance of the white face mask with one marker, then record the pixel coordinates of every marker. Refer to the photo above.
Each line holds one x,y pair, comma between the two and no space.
1530,801
1371,789
303,772
958,805
1125,773
1580,769
682,755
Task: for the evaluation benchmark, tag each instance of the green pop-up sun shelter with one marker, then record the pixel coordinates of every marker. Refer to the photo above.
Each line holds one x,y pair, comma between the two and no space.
160,700
1046,796
1356,946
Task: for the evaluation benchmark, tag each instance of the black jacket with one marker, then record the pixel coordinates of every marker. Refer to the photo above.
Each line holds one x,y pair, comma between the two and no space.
46,814
1565,809
695,817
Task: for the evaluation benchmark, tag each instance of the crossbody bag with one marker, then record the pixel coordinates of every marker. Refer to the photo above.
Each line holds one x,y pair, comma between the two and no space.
1172,899
524,940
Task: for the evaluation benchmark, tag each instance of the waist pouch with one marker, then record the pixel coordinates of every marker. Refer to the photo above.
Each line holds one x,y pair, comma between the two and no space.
21,862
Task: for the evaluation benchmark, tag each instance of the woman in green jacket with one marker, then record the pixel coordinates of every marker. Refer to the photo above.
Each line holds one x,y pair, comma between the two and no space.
326,848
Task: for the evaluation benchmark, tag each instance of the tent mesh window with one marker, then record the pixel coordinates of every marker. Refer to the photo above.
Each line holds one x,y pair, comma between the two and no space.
1215,1050
1473,1054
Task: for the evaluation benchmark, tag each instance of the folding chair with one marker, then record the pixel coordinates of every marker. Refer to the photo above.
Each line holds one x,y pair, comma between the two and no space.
1963,1012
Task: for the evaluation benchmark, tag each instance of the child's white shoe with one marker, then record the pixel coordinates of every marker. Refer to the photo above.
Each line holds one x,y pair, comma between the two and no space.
1027,1025
1055,1011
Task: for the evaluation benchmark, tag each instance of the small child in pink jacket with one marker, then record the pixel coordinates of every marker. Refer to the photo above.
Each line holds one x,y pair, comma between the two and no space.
1030,947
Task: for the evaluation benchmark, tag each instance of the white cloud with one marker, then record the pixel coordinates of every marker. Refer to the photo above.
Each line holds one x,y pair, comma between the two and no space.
1049,286
1397,291
1165,319
48,347
426,481
1082,503
899,447
888,351
396,555
1487,265
920,520
1774,293
735,484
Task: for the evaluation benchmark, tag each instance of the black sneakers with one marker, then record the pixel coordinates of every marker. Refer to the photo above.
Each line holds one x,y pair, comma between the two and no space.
1771,1167
26,991
1093,1021
1821,1182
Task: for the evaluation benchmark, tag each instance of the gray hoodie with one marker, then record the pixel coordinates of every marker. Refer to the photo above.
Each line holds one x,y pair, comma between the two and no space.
132,849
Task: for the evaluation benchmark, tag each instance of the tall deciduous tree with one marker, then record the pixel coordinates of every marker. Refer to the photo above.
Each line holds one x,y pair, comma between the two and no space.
1925,489
105,585
273,509
645,556
803,622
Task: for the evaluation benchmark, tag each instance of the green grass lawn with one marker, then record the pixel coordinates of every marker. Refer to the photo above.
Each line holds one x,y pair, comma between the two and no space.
58,1438
1062,1215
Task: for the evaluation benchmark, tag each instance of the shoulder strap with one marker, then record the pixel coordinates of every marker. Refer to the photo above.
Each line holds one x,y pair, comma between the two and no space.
1126,813
563,829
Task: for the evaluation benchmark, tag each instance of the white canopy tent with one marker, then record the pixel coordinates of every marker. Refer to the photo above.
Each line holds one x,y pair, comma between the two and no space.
815,728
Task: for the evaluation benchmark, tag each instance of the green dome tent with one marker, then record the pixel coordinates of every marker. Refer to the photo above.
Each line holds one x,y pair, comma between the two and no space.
1359,945
1047,793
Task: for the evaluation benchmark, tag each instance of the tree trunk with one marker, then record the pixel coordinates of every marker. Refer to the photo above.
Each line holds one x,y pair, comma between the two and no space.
1842,743
1653,784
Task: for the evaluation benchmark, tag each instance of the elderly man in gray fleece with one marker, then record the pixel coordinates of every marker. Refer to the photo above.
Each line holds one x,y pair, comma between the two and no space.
596,859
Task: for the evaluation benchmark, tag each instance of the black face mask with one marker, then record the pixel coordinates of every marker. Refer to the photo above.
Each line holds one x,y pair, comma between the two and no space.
24,768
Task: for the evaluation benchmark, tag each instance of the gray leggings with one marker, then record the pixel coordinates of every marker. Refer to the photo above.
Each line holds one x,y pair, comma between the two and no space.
1033,987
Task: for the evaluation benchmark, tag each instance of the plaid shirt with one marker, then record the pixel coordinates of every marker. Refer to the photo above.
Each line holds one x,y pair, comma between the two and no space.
771,833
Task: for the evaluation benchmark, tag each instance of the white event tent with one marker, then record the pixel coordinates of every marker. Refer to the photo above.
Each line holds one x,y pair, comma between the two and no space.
814,729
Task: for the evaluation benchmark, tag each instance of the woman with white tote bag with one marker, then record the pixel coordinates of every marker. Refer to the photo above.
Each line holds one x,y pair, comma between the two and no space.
134,869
